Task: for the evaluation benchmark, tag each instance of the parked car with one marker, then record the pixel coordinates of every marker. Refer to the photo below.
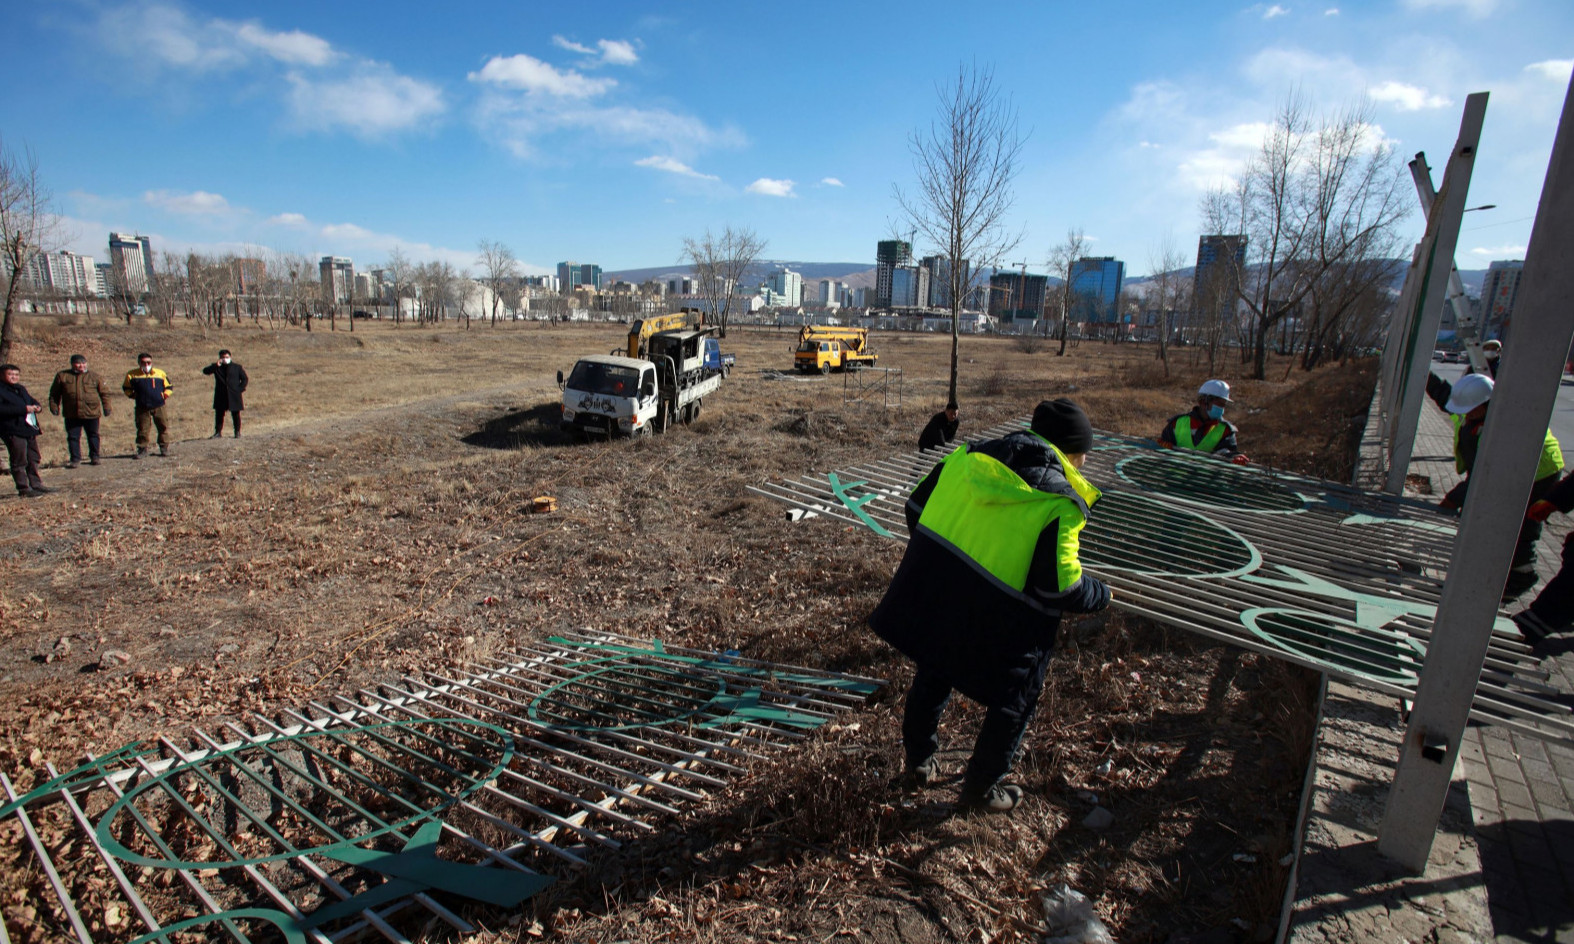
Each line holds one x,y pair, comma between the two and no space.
1453,357
1439,355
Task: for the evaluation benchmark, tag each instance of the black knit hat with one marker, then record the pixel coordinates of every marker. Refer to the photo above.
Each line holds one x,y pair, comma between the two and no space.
1064,424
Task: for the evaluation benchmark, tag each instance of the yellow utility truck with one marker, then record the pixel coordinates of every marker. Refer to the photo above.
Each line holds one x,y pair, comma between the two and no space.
822,348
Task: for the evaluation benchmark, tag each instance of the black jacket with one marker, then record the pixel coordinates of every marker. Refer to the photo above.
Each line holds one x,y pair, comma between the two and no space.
946,616
229,382
14,401
939,432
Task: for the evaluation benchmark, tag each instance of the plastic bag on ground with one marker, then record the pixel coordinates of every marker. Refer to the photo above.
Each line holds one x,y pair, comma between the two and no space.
1070,919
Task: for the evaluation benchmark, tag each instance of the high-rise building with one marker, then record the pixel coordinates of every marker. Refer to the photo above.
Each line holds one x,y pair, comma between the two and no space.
1216,280
909,287
786,285
572,275
940,280
104,278
889,254
1017,296
680,286
1095,288
1499,290
337,275
132,257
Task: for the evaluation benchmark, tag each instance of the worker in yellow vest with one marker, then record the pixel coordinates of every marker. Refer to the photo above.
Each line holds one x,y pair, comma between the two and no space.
1205,429
1465,401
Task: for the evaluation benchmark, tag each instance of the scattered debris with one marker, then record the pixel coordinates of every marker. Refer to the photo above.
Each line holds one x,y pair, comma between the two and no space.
110,658
1071,919
1100,818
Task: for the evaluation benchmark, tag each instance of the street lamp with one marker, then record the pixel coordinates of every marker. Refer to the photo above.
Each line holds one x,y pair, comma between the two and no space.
1484,206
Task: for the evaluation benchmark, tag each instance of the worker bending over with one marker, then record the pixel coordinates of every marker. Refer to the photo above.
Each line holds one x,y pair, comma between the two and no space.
1465,402
1205,429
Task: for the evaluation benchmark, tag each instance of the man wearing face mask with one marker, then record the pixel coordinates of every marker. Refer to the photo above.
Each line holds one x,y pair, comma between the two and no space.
229,382
1205,429
82,397
1493,352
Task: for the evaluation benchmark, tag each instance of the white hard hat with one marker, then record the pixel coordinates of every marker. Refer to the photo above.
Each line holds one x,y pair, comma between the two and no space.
1492,345
1215,388
1470,391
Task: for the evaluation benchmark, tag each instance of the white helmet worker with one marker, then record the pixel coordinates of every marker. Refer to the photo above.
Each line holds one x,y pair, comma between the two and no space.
1217,389
1470,391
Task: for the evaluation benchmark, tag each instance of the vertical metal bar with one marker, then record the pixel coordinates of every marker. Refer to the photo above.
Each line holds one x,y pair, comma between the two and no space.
48,864
109,861
1516,425
1442,237
1466,328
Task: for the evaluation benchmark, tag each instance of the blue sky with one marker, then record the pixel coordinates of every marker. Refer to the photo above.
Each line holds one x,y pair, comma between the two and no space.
607,132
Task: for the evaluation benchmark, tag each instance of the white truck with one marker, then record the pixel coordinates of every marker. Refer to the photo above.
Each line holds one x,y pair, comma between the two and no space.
609,394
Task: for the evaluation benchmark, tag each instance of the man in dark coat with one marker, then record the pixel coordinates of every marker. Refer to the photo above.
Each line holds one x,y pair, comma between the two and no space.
82,397
19,428
976,602
229,382
1552,612
941,429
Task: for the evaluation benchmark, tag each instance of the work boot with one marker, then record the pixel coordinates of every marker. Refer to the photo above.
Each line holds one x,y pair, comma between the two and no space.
40,489
1535,628
73,464
1520,579
141,451
29,493
923,775
163,450
92,460
218,435
999,798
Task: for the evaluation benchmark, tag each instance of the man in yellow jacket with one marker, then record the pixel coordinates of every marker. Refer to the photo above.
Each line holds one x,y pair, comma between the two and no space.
149,389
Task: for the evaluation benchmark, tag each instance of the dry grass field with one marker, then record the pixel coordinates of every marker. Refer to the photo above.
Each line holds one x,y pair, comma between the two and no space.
379,496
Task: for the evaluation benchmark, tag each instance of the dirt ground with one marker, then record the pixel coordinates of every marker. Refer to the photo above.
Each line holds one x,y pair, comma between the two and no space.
379,496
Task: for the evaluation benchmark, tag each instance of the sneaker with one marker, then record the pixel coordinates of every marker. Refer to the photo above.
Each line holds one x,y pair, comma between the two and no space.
926,774
217,436
999,798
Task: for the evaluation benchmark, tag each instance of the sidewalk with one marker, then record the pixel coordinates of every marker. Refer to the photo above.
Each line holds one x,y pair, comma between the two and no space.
1511,877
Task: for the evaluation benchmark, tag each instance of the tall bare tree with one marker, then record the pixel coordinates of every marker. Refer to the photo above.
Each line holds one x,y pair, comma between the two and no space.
1170,292
1062,260
26,225
498,268
1319,197
965,163
719,263
399,272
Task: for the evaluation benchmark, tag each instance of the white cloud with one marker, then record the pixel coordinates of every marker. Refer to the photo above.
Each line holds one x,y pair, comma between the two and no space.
831,182
1500,252
1331,11
371,102
1275,11
1476,9
672,166
1407,97
1557,70
1220,164
196,203
288,219
771,188
531,75
612,52
521,122
1147,144
293,48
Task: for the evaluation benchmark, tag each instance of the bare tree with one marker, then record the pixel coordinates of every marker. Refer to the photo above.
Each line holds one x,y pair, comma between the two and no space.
1062,260
965,162
26,225
719,264
1316,198
398,277
498,268
1169,292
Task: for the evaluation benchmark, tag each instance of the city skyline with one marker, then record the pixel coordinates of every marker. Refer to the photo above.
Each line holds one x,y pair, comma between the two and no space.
379,129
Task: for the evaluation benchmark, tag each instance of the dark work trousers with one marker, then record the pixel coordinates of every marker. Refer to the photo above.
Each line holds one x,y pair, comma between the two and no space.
1555,603
218,421
998,737
1522,569
146,420
74,431
24,461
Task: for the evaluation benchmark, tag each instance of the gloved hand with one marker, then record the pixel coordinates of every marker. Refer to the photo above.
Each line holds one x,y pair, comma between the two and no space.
1447,507
1540,511
1240,460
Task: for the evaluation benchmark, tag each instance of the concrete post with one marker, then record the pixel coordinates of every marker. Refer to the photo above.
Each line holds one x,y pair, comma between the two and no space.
1516,425
1437,259
1465,327
1393,351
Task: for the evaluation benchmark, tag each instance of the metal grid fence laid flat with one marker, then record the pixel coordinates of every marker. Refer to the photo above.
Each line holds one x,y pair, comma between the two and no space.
376,815
1315,572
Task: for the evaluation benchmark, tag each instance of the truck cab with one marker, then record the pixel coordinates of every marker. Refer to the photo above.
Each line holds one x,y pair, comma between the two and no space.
607,393
818,356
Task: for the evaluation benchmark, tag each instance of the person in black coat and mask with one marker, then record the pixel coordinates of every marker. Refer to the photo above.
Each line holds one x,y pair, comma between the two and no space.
19,428
229,382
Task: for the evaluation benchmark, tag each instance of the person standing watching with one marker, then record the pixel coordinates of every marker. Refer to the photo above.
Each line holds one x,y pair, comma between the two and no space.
19,428
229,382
149,388
976,602
1205,429
82,397
941,429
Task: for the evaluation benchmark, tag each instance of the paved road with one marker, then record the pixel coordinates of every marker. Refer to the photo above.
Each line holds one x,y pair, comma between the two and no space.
1562,412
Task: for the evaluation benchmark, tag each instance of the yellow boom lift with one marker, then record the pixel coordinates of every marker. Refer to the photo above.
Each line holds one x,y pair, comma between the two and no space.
821,348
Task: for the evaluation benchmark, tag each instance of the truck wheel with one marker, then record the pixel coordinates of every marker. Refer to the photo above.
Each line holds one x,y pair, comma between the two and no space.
825,369
725,372
694,410
642,432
